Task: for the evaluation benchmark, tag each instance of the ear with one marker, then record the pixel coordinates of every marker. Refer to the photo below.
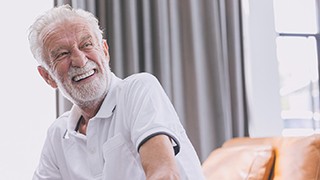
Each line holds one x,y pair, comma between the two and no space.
46,76
105,48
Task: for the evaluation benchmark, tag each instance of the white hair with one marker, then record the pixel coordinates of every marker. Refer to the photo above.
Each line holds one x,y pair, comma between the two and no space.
57,15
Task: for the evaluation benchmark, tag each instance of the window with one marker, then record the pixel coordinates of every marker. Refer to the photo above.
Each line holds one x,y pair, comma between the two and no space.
297,53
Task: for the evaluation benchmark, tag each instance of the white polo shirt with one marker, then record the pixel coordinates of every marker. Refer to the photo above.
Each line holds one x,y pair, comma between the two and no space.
134,110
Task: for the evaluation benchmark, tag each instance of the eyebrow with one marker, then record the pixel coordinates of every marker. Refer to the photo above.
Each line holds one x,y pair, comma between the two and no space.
86,37
54,52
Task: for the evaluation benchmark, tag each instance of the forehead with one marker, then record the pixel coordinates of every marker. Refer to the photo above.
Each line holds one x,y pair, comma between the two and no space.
65,31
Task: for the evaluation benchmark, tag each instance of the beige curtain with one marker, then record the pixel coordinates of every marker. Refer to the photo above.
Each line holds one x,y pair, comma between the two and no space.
194,47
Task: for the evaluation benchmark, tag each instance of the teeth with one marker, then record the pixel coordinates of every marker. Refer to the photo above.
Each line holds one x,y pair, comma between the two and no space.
83,76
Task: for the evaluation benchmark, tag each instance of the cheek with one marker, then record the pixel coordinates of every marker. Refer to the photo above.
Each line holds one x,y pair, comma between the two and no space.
97,57
61,71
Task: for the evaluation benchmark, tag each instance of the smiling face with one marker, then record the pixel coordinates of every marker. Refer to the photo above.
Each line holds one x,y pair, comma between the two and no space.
78,62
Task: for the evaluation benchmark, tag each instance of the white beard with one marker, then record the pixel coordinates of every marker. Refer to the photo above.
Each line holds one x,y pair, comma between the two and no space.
89,93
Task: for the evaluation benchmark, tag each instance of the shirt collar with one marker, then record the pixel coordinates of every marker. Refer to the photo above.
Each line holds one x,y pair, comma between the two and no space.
109,103
106,109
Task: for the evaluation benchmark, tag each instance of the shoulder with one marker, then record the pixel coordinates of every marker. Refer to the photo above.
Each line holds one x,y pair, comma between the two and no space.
59,126
141,80
143,77
138,89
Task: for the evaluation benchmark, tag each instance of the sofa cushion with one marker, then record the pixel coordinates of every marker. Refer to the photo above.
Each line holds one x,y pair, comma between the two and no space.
250,162
298,158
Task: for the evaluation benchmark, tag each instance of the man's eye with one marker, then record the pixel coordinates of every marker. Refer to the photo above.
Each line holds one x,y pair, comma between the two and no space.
62,54
88,44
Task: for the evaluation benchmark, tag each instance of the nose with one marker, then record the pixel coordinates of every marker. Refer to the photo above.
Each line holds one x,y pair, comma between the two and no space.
78,58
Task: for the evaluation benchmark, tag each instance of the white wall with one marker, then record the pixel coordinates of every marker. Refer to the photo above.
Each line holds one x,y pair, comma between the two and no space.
27,104
262,74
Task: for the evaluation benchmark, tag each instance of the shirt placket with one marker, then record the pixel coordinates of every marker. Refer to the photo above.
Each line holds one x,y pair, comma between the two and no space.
95,160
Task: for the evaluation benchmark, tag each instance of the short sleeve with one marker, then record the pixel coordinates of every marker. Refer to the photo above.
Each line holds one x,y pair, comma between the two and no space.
47,168
150,111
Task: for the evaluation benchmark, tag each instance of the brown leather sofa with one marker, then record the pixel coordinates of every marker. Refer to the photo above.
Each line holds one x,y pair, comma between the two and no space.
275,158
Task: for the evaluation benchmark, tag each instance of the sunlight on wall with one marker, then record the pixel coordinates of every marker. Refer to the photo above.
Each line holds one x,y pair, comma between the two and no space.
261,69
27,103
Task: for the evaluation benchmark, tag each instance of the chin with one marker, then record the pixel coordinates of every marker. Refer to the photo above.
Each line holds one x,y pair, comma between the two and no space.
89,95
86,94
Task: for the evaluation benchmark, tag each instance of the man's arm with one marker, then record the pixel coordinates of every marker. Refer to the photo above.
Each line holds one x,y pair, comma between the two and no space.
47,168
158,159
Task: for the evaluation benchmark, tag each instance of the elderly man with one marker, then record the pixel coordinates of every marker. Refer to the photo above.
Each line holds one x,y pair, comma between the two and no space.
116,129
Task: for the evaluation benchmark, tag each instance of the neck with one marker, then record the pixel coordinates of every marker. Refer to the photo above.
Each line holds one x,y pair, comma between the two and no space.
90,109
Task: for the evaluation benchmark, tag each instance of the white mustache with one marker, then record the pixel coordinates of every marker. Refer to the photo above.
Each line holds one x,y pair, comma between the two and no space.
74,71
